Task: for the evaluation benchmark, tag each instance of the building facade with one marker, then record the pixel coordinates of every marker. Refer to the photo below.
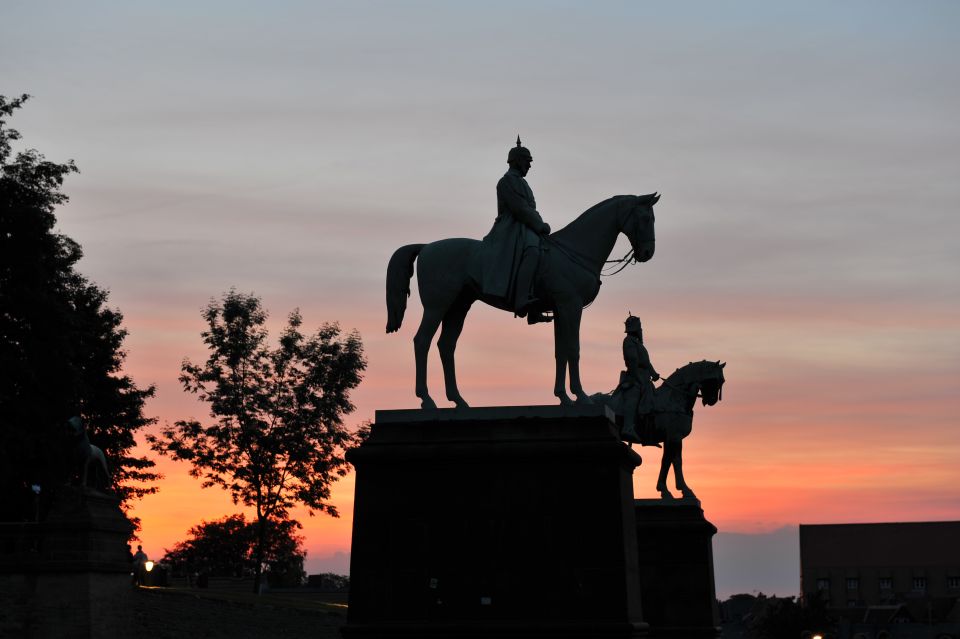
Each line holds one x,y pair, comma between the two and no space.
863,565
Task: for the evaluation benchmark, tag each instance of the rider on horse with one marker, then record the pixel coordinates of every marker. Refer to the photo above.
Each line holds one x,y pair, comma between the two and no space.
513,244
636,383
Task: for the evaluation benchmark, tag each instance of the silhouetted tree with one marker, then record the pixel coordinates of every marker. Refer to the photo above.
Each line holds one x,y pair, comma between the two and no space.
60,345
226,548
278,436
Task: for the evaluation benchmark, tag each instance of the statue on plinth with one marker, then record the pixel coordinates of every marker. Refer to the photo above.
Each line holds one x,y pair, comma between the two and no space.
88,460
661,415
520,267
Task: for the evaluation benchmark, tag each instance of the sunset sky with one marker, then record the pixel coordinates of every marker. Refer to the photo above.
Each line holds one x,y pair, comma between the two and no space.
808,157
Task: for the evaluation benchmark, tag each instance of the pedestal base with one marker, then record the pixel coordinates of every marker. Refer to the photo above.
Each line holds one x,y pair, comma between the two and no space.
675,544
70,575
512,522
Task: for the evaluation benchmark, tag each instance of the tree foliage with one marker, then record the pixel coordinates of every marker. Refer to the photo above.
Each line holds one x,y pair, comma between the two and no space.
226,547
277,436
61,346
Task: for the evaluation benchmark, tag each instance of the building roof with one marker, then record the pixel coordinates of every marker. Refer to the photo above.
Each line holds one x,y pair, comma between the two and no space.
931,543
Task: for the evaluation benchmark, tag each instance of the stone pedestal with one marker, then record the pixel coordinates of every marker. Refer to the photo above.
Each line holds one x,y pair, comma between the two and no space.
675,544
494,522
68,577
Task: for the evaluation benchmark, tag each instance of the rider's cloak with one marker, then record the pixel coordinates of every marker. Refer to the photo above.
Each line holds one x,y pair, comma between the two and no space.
514,230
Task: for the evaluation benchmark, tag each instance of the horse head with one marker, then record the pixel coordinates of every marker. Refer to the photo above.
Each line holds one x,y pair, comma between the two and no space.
638,225
711,382
702,379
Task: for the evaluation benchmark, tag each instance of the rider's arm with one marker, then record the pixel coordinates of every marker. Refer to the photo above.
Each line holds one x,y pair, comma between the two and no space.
511,192
647,364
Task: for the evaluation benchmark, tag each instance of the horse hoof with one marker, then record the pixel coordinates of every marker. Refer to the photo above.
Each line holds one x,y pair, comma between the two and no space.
584,400
460,403
564,399
427,403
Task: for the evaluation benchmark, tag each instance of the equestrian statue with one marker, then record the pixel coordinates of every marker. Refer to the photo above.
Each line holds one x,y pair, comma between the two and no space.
654,415
520,267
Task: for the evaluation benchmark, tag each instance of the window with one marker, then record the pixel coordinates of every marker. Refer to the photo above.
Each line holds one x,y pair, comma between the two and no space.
919,584
853,583
823,584
886,583
953,583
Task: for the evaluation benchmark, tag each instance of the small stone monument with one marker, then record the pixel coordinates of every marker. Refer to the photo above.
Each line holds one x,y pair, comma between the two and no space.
68,575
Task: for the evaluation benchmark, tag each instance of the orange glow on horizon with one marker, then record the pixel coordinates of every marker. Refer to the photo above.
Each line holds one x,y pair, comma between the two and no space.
808,431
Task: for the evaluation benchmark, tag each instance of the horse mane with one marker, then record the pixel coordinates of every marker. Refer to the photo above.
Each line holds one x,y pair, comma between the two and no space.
691,372
604,203
574,225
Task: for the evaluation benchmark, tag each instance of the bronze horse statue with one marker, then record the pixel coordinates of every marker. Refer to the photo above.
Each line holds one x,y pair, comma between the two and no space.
450,272
672,417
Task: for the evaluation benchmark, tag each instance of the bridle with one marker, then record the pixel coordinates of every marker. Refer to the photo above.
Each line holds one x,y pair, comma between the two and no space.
697,394
630,255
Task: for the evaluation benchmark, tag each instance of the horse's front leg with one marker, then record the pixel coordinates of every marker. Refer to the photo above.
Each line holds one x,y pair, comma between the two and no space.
678,474
668,458
560,381
572,322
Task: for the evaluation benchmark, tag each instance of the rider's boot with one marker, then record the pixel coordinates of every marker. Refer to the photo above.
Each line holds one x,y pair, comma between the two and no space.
524,299
629,431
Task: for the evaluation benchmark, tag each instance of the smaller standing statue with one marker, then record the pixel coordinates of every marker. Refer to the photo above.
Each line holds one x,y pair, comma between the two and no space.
83,455
654,415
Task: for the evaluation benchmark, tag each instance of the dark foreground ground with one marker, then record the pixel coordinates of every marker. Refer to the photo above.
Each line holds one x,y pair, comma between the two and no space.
177,613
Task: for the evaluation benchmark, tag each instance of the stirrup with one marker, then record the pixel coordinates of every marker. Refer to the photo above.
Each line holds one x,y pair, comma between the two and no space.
536,317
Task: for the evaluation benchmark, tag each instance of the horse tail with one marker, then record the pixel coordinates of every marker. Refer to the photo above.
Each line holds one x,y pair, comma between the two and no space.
399,272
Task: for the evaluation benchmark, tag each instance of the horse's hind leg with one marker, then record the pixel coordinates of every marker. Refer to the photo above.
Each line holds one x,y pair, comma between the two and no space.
421,349
447,345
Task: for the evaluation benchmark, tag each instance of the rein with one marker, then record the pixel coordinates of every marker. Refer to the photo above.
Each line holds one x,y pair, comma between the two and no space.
695,394
624,261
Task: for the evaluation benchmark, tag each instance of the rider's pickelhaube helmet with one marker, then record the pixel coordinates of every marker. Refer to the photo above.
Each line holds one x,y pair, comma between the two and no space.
632,324
518,152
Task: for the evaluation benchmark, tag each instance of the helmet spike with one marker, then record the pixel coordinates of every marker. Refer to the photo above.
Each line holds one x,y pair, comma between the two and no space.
518,140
